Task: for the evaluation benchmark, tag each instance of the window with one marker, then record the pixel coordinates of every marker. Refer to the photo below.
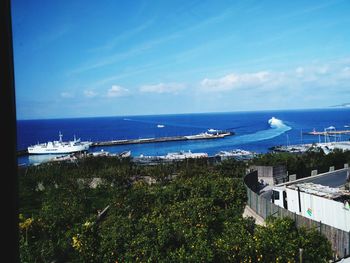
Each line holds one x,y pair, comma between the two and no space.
275,195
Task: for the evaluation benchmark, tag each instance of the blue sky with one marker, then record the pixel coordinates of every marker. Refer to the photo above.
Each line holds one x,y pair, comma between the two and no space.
107,58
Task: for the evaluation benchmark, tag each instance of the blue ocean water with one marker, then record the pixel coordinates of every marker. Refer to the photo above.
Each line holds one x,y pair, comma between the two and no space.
255,131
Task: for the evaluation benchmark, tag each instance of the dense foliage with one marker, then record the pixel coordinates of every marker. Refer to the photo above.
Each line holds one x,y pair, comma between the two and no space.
189,211
303,164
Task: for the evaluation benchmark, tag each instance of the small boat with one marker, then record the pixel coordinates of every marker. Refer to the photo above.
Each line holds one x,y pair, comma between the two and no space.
60,158
160,126
125,154
100,153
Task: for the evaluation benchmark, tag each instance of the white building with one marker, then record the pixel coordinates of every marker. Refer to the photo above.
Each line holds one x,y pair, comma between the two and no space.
330,205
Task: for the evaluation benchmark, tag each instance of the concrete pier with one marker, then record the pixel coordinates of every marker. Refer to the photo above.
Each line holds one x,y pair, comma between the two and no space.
153,140
161,139
325,133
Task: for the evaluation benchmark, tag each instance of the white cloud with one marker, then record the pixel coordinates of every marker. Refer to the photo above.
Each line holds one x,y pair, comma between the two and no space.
233,81
123,36
121,56
117,91
67,95
90,93
335,74
322,70
163,88
345,72
299,71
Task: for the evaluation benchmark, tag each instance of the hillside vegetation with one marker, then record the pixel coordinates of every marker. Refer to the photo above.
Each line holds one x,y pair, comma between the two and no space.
188,211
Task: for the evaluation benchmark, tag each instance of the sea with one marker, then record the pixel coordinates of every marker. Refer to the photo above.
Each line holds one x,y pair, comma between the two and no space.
256,131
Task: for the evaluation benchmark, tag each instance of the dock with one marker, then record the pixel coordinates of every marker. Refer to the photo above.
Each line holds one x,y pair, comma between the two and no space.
160,139
325,133
301,148
138,141
204,136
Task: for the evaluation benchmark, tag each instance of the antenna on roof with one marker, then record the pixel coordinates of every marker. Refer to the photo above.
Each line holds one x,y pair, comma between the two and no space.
60,134
301,136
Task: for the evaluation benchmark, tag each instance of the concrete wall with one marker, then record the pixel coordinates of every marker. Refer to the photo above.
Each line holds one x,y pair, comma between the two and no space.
252,180
280,174
318,208
271,174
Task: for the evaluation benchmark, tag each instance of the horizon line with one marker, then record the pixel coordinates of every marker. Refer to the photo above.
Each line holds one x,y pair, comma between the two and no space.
186,113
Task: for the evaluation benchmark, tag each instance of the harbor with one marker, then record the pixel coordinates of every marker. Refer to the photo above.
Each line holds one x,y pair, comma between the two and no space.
332,141
201,136
327,147
237,154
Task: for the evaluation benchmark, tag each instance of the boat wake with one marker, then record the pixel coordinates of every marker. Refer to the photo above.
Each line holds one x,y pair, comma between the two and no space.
277,127
276,123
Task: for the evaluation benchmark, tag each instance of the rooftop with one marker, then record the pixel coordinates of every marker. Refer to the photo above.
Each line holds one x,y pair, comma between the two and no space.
320,190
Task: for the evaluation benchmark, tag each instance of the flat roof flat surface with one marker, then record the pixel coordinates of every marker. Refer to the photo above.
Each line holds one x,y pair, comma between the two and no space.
335,179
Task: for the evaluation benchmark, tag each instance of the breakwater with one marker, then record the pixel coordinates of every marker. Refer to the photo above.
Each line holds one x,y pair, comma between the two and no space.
137,141
203,136
162,139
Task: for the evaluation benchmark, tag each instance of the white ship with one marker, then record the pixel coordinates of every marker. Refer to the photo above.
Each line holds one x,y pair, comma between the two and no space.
184,155
59,147
208,135
237,154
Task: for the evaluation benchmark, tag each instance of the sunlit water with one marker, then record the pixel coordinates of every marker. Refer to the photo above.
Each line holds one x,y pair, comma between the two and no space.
255,131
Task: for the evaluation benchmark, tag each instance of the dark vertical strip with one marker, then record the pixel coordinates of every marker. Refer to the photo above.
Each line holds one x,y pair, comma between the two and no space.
349,243
9,189
257,204
299,200
268,212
